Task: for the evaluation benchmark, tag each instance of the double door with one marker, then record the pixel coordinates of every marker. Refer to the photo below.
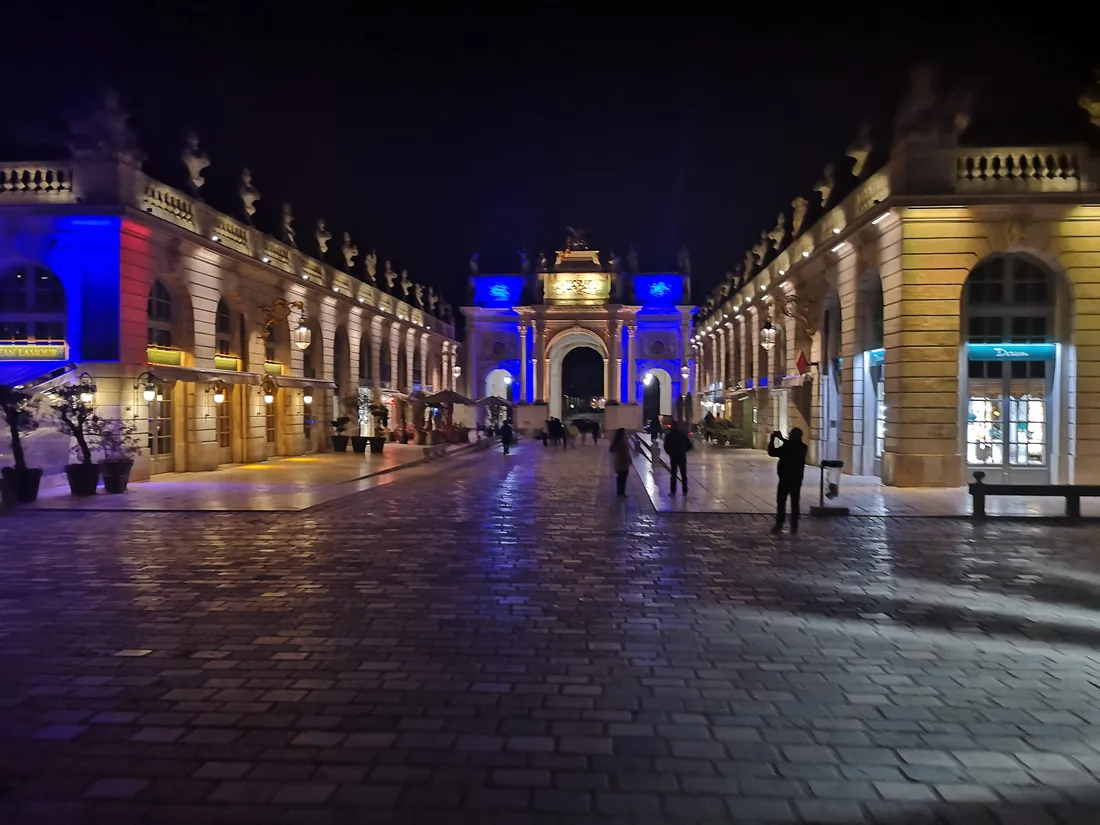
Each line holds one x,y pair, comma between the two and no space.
1008,421
162,430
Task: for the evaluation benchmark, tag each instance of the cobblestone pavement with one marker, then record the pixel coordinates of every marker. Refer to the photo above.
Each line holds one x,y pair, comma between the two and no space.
506,643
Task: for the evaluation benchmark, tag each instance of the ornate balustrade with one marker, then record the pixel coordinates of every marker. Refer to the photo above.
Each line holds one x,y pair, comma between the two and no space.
114,183
36,182
1020,169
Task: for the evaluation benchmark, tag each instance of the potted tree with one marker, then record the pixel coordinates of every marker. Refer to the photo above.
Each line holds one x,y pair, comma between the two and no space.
339,440
18,484
119,443
381,418
74,415
353,404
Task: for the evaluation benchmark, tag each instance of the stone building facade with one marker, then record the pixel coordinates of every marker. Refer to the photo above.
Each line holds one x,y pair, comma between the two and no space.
152,293
939,317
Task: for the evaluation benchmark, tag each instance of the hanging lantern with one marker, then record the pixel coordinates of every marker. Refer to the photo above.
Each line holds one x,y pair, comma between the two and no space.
767,336
219,396
648,379
301,336
307,398
456,371
685,371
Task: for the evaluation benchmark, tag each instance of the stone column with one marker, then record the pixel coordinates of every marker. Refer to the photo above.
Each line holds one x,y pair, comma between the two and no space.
685,344
617,362
471,362
611,392
425,340
445,361
606,368
523,363
377,333
540,361
631,365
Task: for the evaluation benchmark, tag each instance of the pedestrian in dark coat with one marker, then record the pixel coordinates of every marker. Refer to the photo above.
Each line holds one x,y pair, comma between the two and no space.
620,460
677,446
791,453
506,437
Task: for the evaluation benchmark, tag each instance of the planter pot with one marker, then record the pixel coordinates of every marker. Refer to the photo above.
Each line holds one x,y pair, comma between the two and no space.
116,474
340,443
359,443
435,437
403,438
83,479
376,444
19,486
421,437
393,435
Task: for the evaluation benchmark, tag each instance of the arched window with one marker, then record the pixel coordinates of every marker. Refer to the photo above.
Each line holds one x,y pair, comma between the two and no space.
385,376
417,375
32,305
224,328
160,316
402,369
1009,305
242,331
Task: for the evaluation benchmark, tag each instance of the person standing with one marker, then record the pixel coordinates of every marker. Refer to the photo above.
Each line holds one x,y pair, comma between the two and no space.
791,453
595,431
620,460
506,435
677,446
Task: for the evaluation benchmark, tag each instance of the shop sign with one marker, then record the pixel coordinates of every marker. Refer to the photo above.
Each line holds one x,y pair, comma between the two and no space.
1010,352
32,352
876,357
802,363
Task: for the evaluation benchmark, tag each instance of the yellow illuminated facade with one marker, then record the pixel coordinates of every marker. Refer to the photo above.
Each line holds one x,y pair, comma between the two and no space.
939,317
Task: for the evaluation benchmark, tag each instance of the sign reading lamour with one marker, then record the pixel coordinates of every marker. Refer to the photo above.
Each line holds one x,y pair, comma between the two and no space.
32,352
1010,352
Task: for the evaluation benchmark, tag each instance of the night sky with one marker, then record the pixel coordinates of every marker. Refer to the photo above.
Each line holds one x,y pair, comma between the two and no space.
428,136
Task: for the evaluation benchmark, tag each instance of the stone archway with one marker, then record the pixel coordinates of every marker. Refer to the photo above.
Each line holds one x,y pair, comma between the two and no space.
561,345
664,389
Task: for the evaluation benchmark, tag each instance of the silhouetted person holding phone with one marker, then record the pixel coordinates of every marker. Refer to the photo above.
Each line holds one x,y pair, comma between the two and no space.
791,453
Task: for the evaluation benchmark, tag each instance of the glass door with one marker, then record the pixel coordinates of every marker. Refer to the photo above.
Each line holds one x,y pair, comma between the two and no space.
161,440
225,428
1007,431
269,423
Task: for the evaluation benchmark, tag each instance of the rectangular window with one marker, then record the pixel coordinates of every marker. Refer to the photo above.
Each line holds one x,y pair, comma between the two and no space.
12,331
49,331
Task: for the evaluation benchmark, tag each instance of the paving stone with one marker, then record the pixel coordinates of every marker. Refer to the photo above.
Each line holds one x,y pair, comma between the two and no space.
494,662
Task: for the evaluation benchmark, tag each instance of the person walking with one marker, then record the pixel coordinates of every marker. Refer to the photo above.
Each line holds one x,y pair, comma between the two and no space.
595,431
506,436
677,446
791,453
620,460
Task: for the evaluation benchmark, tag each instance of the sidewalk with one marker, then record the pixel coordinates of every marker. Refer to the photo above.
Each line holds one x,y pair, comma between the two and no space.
279,484
728,480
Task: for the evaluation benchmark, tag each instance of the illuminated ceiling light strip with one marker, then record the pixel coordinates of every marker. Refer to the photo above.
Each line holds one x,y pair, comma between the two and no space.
838,247
881,218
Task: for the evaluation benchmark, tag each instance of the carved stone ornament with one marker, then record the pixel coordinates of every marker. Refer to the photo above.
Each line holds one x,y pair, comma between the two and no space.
349,251
372,265
105,133
433,299
249,195
1015,230
524,263
750,264
389,275
288,226
779,233
195,160
1089,100
323,236
760,249
406,284
824,187
799,206
861,149
418,290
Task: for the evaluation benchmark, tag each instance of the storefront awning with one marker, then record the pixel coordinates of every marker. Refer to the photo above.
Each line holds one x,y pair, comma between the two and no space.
33,375
198,374
303,383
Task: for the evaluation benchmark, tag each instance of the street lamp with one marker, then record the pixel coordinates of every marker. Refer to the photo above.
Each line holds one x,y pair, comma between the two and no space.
150,384
456,371
280,311
685,371
647,379
268,386
307,398
767,336
87,395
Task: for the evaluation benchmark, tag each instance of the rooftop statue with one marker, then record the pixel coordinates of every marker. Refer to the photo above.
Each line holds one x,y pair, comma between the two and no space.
288,226
105,133
372,266
824,187
861,149
249,195
576,240
349,251
779,233
406,284
195,160
419,292
799,206
323,236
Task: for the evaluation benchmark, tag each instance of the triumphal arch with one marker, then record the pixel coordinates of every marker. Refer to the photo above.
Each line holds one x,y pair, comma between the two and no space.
520,327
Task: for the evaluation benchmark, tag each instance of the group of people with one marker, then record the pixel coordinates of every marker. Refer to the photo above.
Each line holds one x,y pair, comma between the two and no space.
565,435
791,452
